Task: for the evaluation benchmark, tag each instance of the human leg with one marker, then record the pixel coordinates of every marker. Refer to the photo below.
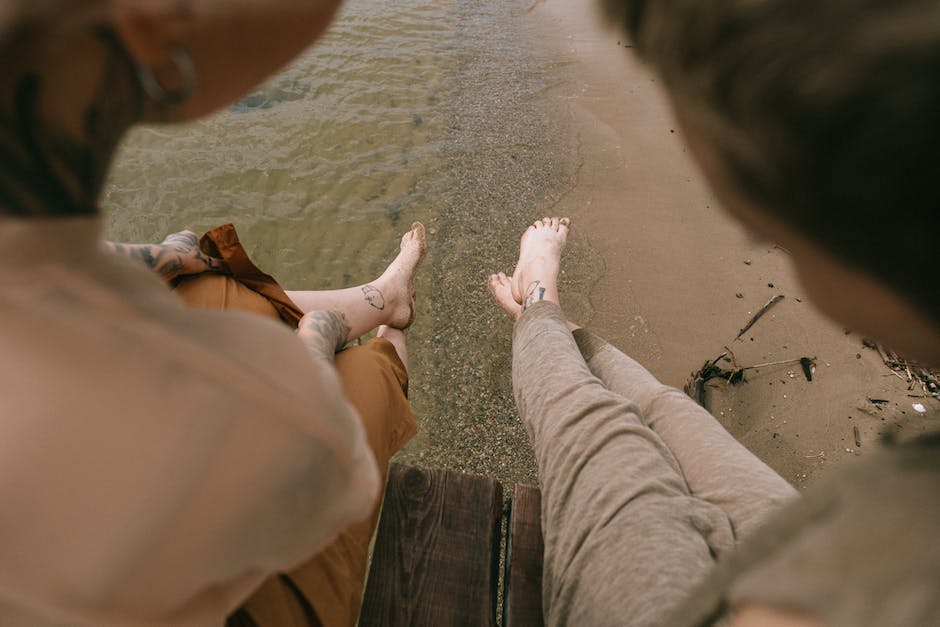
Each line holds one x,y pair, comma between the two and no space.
624,538
327,588
398,339
717,468
332,581
389,300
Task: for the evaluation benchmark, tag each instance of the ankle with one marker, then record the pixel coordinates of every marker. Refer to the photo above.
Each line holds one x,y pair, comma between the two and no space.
538,290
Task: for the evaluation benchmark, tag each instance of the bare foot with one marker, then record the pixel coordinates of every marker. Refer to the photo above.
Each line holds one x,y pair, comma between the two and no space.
394,291
501,288
536,274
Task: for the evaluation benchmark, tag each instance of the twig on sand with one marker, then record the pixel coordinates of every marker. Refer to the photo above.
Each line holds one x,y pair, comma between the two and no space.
760,312
911,373
775,363
695,385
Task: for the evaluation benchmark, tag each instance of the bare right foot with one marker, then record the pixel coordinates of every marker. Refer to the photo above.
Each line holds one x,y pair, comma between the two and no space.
536,275
394,291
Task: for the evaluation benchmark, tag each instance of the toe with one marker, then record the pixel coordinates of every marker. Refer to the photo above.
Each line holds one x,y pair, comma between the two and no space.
493,285
555,223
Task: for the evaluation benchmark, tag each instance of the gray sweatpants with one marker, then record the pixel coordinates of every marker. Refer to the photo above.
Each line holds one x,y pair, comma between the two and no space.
641,487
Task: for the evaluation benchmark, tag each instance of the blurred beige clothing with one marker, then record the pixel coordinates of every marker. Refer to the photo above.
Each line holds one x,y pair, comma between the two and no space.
146,451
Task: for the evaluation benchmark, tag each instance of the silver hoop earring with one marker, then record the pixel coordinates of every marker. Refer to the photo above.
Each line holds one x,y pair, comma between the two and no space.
156,91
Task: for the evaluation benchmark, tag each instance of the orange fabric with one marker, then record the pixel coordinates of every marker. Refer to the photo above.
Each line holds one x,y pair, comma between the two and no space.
223,243
217,291
333,580
376,383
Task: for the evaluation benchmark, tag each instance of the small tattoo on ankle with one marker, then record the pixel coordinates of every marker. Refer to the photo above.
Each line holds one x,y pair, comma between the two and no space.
374,297
534,294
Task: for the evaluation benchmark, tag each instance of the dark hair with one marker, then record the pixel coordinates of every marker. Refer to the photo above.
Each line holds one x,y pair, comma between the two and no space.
825,113
46,171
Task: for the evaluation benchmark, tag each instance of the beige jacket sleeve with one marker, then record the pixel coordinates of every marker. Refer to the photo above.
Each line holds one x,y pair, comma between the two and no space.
155,462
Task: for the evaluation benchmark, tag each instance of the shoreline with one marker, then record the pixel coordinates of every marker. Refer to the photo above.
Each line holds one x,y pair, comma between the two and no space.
674,278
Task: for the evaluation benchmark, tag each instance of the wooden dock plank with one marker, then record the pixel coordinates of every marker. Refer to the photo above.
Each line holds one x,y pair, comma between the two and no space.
436,553
522,604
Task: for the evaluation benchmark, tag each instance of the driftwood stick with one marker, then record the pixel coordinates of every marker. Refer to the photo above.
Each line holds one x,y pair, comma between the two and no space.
760,312
881,352
773,363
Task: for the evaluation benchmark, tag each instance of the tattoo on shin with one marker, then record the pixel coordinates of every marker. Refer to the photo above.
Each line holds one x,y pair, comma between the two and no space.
533,294
374,297
328,331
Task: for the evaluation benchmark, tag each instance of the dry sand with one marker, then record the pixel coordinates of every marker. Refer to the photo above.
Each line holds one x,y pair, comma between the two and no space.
668,265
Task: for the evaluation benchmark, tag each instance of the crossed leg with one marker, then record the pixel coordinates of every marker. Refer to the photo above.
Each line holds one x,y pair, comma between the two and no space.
327,588
633,512
388,301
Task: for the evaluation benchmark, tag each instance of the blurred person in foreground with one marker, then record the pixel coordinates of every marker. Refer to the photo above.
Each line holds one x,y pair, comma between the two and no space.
817,123
165,462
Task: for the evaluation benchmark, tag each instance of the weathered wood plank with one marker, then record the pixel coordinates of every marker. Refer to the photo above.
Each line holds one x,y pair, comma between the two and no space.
436,552
522,603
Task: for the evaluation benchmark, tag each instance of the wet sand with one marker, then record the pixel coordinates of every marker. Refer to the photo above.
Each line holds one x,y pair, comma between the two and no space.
669,264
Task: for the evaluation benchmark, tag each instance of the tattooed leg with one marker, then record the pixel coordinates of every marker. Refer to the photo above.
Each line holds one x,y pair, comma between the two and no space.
324,333
536,275
389,300
177,255
501,289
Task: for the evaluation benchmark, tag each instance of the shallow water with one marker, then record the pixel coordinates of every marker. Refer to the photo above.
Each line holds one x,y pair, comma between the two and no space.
441,112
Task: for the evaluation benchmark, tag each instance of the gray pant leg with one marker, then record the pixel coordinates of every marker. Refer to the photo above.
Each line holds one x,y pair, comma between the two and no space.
625,541
717,468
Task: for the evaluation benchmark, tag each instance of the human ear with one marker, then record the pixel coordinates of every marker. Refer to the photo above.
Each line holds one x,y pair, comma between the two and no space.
151,30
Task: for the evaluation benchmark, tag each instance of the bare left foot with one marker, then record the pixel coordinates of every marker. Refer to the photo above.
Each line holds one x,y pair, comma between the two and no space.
501,288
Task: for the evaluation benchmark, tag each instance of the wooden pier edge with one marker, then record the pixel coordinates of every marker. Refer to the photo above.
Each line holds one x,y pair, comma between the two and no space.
438,548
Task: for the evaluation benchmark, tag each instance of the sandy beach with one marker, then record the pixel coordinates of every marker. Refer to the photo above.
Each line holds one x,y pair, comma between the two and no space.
477,118
675,279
